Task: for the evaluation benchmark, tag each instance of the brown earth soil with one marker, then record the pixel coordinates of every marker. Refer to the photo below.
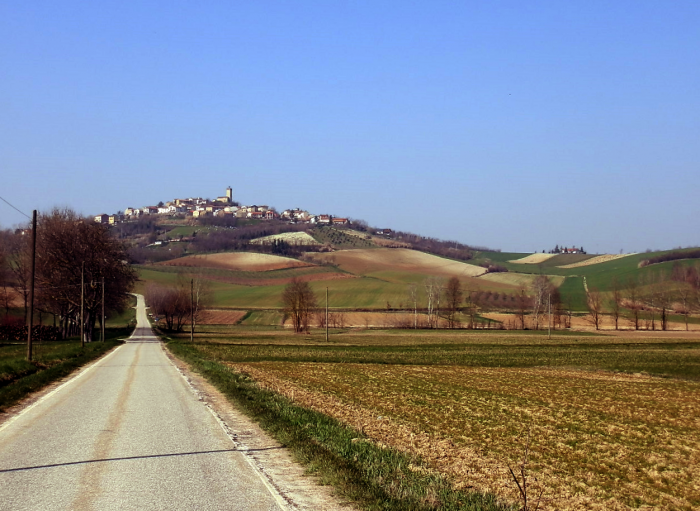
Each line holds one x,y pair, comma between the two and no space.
237,261
549,399
220,317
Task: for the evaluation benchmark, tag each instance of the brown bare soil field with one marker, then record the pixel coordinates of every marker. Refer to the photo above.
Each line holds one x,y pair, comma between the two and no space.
220,317
599,441
595,260
362,262
239,261
535,258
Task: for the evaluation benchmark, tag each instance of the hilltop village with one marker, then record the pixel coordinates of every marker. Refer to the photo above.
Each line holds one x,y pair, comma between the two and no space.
197,207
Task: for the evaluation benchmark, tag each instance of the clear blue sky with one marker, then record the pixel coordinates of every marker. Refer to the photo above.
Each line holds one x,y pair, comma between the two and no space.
515,125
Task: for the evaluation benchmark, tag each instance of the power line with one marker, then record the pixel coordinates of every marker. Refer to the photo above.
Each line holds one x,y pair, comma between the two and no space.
16,209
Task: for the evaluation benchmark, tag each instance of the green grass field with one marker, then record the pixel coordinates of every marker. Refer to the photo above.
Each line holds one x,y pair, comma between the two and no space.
376,288
263,318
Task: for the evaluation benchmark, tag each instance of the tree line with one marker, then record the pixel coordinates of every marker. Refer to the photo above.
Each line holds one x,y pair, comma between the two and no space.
78,262
646,301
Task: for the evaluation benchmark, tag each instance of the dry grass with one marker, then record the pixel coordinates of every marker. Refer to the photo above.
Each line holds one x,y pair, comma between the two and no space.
599,440
367,261
536,258
293,238
595,260
237,261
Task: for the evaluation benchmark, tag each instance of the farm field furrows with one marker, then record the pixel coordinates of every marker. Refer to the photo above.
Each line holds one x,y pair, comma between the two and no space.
605,432
598,441
220,317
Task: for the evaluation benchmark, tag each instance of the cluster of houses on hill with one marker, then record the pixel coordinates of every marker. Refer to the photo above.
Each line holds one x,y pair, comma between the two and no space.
566,250
221,206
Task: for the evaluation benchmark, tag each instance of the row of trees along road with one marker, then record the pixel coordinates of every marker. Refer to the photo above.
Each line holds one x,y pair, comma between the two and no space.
74,257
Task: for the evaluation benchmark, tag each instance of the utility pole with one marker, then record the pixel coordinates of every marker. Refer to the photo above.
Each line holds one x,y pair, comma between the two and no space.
82,305
191,310
549,322
31,289
102,323
326,314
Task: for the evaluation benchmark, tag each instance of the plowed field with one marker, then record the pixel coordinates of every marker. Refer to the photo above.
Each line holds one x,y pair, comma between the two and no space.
599,441
240,261
220,317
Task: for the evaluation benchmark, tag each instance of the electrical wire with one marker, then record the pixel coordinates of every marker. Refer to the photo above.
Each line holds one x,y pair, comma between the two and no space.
16,209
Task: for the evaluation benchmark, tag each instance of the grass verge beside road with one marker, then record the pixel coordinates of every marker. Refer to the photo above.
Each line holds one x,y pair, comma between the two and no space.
51,362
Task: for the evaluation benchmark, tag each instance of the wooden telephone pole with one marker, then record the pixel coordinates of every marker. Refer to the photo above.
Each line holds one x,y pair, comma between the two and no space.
192,310
82,305
102,323
31,289
326,314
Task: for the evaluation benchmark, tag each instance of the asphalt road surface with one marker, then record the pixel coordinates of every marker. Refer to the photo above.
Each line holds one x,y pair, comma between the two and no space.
126,433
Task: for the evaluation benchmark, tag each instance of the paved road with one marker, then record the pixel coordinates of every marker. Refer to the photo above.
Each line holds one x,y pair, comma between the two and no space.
127,433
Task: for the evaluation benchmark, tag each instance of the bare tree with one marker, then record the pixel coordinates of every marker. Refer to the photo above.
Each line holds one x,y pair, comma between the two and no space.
433,288
541,289
661,297
20,267
521,302
7,292
595,307
73,249
171,303
201,296
413,299
615,301
632,297
453,298
299,304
